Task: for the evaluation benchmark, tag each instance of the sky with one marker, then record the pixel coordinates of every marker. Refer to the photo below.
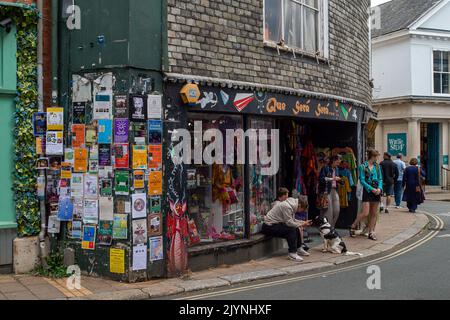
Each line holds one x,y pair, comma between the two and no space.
377,2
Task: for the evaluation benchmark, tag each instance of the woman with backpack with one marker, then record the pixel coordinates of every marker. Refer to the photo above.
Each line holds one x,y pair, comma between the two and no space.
371,179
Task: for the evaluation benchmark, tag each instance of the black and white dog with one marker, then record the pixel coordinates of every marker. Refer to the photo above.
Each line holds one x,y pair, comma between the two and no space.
332,242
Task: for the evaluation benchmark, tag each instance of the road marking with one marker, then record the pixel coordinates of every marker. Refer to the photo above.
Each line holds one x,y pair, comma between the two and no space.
444,214
428,237
444,236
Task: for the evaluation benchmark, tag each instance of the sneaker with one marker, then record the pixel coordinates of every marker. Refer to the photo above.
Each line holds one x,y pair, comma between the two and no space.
302,252
295,257
386,211
305,247
397,207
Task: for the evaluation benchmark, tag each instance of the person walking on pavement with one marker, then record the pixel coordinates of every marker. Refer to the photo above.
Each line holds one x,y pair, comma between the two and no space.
412,181
390,176
328,183
371,179
280,222
398,186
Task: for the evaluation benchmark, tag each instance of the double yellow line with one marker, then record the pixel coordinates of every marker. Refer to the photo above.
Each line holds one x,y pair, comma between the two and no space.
402,251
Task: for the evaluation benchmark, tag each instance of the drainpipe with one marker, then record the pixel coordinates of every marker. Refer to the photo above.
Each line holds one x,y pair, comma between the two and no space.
42,245
55,56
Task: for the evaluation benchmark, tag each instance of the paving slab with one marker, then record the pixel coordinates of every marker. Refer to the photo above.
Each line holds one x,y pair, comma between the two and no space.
158,291
21,295
46,292
306,267
196,285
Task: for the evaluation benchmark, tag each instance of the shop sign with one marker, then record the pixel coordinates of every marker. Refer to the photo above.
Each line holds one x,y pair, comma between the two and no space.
397,143
264,103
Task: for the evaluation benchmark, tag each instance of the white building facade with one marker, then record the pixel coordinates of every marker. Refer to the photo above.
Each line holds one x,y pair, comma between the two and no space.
411,71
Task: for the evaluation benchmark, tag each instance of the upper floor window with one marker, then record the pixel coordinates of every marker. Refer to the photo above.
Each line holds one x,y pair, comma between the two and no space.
441,72
300,23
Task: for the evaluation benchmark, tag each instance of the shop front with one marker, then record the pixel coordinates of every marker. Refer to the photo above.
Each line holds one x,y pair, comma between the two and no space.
225,201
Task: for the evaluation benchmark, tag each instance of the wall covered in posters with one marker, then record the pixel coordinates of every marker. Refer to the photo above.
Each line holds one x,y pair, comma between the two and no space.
105,211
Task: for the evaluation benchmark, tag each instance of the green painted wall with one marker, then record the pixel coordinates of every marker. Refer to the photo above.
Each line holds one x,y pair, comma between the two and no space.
8,84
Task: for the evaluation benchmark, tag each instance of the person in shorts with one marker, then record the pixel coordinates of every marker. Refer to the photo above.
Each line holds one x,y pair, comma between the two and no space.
390,175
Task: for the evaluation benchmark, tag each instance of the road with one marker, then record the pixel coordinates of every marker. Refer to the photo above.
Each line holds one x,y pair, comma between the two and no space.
421,273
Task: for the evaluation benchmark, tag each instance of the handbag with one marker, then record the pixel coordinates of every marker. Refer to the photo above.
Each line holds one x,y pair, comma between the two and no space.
419,188
322,202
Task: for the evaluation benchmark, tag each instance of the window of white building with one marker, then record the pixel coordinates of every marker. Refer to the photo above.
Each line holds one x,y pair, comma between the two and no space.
300,23
441,74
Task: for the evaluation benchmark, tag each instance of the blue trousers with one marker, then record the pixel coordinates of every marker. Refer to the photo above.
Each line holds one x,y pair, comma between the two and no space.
398,191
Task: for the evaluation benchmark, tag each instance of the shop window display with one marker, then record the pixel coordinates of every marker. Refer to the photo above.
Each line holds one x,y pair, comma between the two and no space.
216,192
262,188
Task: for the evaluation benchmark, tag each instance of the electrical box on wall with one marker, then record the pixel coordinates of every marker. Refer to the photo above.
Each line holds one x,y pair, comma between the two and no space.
116,33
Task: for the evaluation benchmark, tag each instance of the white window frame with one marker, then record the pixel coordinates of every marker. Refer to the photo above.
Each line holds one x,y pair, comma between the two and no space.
322,28
433,93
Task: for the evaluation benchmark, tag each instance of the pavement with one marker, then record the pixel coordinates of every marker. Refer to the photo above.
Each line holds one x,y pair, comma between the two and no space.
393,229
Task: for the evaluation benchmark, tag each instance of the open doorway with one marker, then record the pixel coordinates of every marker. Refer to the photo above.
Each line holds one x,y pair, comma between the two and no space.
429,154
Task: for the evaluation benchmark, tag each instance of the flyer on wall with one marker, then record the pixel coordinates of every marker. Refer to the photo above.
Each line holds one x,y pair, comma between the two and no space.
139,205
54,143
121,128
90,215
121,156
55,119
79,112
139,231
120,227
103,105
39,123
77,185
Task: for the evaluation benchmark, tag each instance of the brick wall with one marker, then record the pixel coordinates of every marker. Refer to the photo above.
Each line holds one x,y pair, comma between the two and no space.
224,39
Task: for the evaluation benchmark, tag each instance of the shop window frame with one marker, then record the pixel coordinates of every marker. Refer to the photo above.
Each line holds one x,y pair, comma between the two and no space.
322,34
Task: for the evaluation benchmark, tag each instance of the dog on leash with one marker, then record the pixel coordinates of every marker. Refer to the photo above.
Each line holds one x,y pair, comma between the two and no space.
332,242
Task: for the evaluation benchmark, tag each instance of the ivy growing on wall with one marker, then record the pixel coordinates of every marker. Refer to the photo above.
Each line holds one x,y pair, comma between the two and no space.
24,176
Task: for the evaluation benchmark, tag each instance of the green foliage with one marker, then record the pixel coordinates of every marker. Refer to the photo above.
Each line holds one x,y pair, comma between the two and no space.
55,267
26,202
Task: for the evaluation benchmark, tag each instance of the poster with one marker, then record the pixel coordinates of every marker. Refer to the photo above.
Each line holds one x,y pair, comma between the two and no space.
139,205
43,163
106,209
55,163
77,229
91,134
78,208
155,156
139,133
104,131
191,178
121,128
65,209
79,113
120,226
103,105
155,183
90,214
64,188
55,119
105,172
88,240
139,257
104,154
66,170
117,261
156,249
138,179
139,232
119,206
39,123
121,157
91,186
54,225
40,145
93,166
105,233
139,157
138,108
121,183
155,204
154,131
80,156
105,187
154,106
78,135
154,224
77,185
121,106
54,143
68,156
93,152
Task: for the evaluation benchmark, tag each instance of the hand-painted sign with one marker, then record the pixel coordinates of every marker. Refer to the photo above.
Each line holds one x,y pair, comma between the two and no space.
265,103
